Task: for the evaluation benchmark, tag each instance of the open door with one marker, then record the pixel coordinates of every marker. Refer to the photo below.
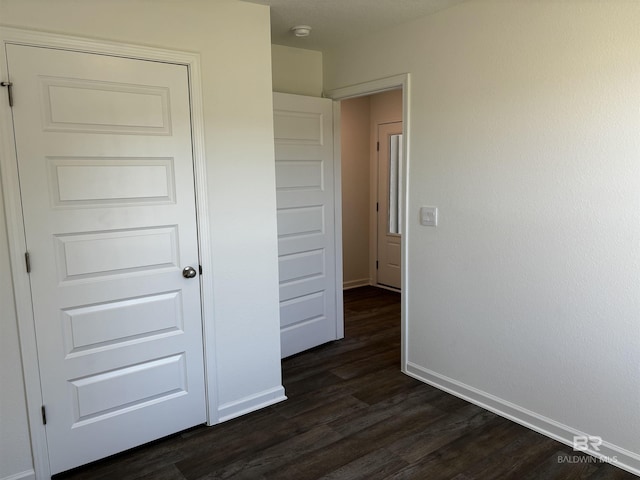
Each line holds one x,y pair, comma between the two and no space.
310,290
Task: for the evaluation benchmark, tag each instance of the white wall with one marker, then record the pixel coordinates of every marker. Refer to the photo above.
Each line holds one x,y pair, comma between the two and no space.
233,41
525,133
296,70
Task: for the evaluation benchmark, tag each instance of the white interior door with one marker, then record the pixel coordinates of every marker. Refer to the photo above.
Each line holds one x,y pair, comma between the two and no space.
389,204
306,222
106,178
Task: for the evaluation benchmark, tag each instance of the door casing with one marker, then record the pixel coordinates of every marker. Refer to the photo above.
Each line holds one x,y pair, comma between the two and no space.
15,227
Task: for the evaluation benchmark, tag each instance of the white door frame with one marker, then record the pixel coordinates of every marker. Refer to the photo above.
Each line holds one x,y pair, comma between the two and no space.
15,221
337,219
371,88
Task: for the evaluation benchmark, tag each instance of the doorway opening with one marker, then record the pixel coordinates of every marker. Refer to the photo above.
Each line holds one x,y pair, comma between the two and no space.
372,164
359,168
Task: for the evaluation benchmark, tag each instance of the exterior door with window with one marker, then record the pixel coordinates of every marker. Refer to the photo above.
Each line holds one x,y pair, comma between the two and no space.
389,205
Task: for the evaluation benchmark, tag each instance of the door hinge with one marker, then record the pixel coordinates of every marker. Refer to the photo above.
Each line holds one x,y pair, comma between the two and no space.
378,146
9,86
200,269
377,206
376,264
27,261
44,415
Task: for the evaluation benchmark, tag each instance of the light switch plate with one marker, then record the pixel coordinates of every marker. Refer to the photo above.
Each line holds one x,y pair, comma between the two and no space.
429,216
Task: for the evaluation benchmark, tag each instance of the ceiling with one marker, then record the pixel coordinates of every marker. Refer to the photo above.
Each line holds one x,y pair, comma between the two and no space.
335,21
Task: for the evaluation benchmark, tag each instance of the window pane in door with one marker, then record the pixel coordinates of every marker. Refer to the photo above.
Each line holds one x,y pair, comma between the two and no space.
395,183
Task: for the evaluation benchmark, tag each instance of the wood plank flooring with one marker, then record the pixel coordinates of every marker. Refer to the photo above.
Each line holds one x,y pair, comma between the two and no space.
351,414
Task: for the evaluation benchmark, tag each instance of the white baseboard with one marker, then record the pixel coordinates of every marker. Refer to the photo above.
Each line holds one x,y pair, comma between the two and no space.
26,475
363,282
608,452
386,287
249,404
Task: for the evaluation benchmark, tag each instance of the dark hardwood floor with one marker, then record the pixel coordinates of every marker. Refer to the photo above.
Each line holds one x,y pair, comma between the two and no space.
351,414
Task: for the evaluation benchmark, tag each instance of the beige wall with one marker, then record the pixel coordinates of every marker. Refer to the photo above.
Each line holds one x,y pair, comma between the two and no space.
355,135
296,70
233,41
386,107
524,133
359,131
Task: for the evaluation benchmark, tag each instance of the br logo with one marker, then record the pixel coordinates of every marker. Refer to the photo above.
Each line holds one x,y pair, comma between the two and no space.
583,443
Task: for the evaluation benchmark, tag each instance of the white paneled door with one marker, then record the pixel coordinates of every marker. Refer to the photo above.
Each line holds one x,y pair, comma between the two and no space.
106,178
309,295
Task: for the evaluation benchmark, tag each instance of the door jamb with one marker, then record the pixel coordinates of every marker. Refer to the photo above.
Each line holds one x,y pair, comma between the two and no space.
337,219
15,221
370,88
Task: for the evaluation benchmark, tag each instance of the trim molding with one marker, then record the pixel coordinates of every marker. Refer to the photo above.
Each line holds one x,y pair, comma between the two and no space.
10,187
368,88
245,405
386,287
362,282
337,218
27,474
609,452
